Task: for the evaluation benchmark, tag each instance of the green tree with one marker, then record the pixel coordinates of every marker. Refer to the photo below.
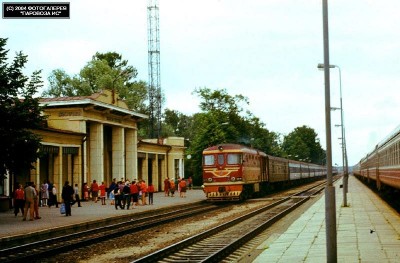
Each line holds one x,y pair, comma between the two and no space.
303,144
104,71
20,114
264,139
224,120
61,85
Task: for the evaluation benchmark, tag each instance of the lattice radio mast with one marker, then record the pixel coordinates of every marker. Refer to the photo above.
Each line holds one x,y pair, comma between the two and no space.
154,88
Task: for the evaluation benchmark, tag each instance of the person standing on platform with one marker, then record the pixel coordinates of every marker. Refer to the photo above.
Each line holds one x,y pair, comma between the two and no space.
67,195
143,188
112,197
29,201
19,200
172,187
94,189
102,191
134,193
76,196
85,191
177,183
112,186
117,197
166,186
150,190
36,202
54,192
182,186
190,183
126,191
51,196
138,185
44,190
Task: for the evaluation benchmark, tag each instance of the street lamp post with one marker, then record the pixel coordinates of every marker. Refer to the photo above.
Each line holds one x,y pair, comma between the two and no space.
330,206
344,166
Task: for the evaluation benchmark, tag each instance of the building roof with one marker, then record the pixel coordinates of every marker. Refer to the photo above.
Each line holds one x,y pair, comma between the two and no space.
103,100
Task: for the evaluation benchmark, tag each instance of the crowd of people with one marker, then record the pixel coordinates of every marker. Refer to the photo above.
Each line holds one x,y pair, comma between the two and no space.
27,199
182,184
123,194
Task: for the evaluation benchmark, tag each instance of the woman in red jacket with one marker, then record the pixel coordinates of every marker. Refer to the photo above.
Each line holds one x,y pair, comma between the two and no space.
166,186
150,190
143,188
102,190
134,193
94,189
182,186
19,200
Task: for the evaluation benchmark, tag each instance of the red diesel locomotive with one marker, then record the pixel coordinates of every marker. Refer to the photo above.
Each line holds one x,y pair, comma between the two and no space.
237,172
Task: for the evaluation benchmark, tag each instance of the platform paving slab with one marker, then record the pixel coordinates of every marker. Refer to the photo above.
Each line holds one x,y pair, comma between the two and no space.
305,239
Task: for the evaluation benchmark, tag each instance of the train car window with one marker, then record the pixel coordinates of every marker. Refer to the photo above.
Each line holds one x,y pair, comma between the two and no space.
221,159
209,160
234,158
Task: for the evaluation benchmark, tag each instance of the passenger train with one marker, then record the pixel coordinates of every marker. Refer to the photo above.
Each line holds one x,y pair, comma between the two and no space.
236,172
382,165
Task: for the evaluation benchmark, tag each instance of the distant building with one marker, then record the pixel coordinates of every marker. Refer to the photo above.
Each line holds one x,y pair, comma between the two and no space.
94,137
158,159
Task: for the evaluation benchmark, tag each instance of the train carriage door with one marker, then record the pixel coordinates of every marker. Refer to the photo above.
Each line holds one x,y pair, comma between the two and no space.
263,166
301,172
378,180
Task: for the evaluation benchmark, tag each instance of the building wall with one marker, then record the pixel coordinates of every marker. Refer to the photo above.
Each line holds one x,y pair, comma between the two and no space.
82,143
166,160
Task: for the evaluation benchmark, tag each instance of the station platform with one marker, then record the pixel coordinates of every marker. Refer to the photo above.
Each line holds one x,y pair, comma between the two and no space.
12,227
303,241
368,230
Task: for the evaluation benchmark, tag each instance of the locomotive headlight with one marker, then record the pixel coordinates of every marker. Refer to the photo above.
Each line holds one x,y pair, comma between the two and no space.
209,179
233,179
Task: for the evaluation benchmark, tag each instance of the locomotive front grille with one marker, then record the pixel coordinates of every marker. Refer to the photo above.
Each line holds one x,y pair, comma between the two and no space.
223,196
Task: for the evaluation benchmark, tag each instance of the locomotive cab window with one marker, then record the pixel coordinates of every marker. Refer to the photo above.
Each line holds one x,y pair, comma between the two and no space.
234,158
209,160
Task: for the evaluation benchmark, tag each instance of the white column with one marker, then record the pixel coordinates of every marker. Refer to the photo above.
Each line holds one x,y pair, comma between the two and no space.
118,153
96,166
131,154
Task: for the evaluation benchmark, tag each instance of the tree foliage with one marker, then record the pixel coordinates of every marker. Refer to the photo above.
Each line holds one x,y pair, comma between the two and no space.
303,144
20,113
104,71
222,119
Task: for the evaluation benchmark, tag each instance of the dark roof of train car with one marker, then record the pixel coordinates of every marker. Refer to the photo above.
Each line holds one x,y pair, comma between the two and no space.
239,147
232,146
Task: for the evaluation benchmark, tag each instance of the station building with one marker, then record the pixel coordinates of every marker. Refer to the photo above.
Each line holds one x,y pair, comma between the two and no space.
95,138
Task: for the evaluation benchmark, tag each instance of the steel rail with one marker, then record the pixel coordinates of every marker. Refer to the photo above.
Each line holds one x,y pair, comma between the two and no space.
79,239
222,248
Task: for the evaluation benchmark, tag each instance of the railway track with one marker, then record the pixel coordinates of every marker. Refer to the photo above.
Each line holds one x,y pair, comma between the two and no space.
219,242
53,246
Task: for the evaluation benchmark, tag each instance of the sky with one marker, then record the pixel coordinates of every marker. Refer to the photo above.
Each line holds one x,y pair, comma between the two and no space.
266,50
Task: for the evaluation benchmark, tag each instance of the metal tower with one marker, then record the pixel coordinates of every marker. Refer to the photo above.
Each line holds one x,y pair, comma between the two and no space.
154,88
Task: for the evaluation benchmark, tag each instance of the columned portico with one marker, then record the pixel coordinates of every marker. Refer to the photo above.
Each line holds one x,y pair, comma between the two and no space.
95,138
107,145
